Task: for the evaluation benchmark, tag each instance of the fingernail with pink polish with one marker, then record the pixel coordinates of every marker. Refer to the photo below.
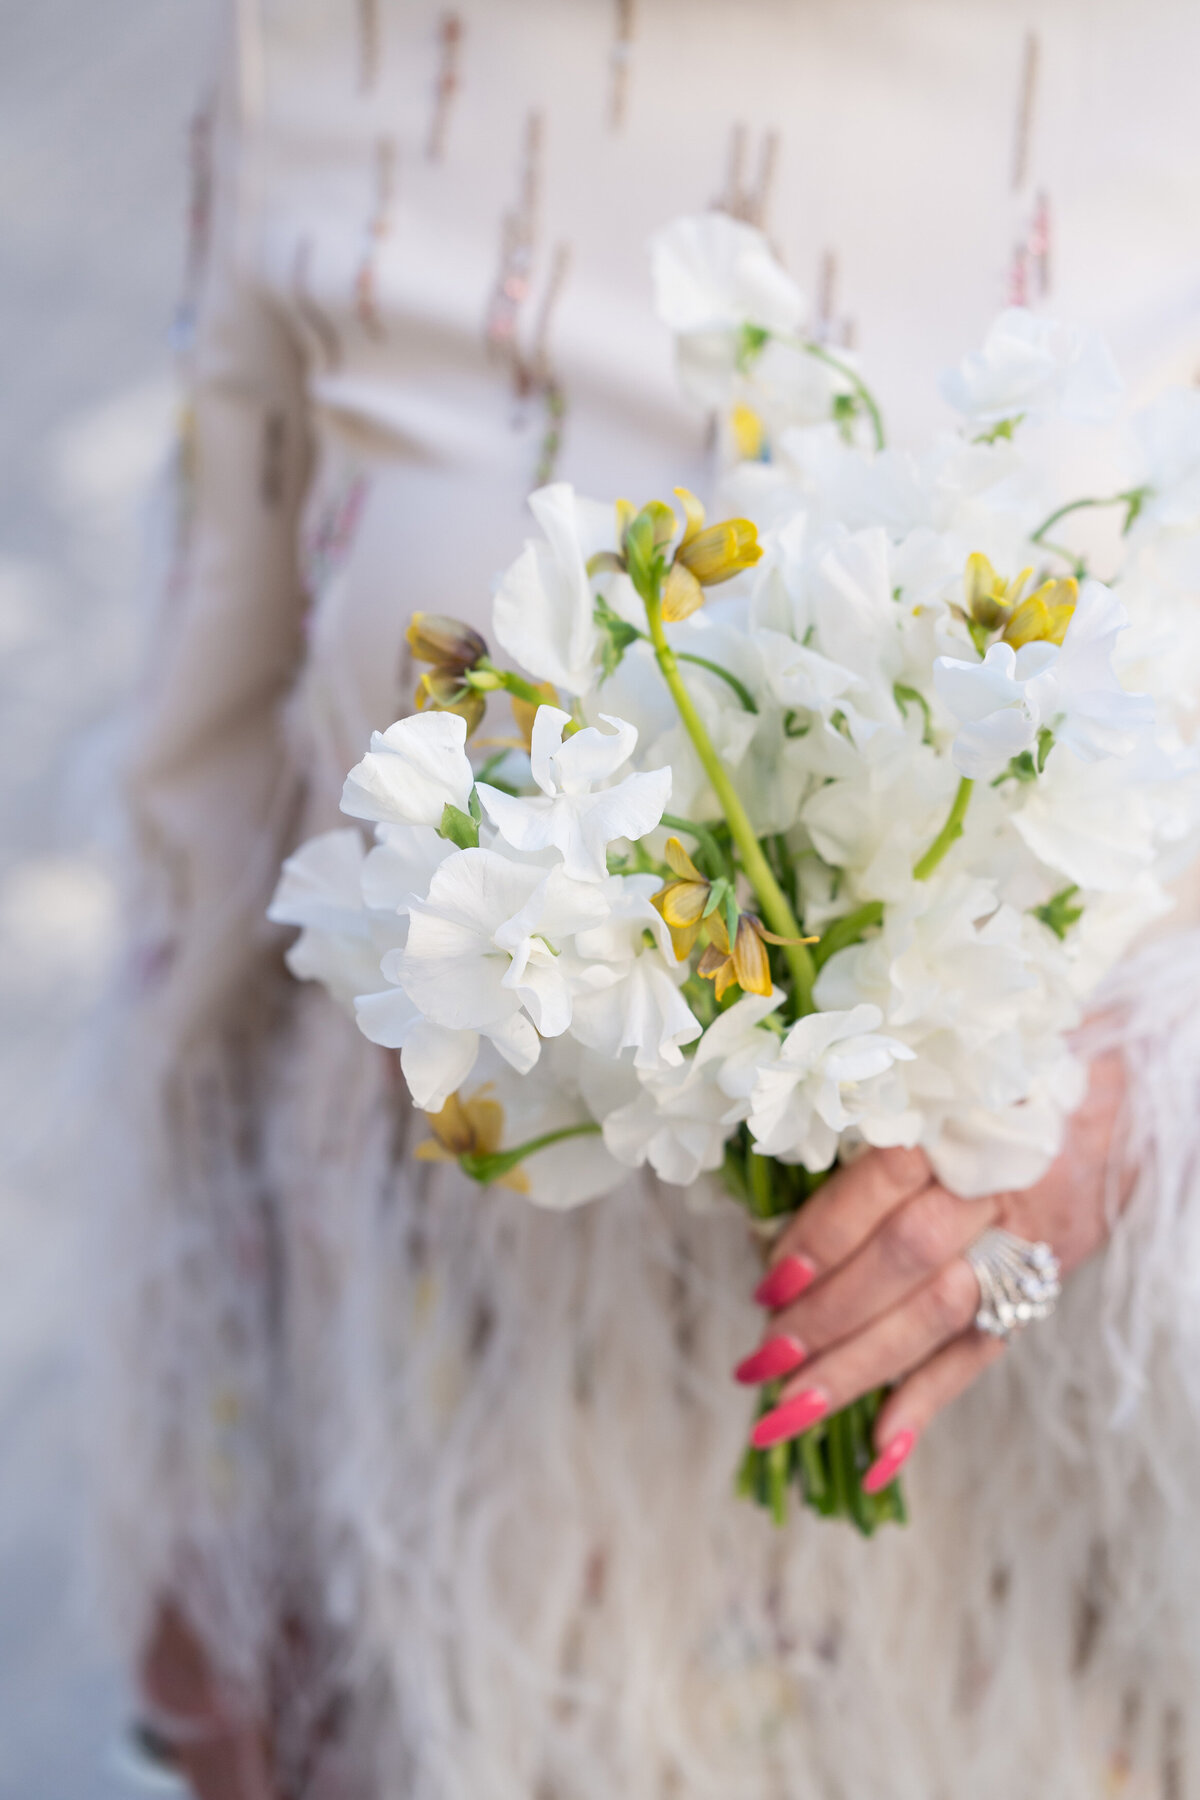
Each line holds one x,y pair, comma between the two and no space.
888,1465
785,1282
790,1419
778,1356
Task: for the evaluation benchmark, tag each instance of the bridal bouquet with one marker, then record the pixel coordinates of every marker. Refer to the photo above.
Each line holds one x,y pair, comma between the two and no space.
816,823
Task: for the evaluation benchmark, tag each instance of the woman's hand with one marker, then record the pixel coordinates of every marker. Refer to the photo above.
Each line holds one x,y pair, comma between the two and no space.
868,1287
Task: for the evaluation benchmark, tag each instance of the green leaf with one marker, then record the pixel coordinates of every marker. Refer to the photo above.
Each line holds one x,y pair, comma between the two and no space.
720,891
459,827
1004,429
616,635
1029,765
1021,768
732,915
1059,913
1134,502
843,412
752,341
643,556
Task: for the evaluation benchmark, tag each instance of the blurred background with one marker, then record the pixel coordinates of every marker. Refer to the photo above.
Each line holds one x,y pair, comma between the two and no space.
96,97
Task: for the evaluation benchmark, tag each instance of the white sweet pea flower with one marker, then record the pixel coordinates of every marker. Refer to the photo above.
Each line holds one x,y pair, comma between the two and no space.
831,1076
351,906
489,950
400,867
1034,367
340,944
1000,704
569,817
542,613
1093,715
1167,441
503,1110
680,1121
1088,824
715,273
413,770
629,995
1004,701
713,277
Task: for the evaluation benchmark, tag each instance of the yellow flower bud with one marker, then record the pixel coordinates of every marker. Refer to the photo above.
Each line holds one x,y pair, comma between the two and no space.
745,965
693,515
682,902
473,1127
1043,616
721,551
990,598
748,433
446,643
681,594
440,691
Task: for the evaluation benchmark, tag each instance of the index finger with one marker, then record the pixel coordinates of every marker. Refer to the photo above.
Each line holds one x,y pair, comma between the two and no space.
838,1220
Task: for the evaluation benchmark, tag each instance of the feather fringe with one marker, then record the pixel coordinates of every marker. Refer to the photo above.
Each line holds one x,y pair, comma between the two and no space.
484,1454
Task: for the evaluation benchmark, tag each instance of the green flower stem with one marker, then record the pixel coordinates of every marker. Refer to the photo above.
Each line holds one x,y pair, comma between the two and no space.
847,930
758,1179
771,898
490,1168
867,399
1132,499
870,405
743,693
508,679
950,833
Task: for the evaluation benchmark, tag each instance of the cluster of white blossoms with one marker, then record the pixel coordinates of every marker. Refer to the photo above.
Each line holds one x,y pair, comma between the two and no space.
827,819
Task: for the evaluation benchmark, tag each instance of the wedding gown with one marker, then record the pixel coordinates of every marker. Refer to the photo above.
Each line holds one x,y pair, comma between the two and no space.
443,1480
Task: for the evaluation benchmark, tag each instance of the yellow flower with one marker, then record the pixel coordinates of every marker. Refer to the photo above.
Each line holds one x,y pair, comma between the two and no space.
473,1127
705,557
990,599
748,433
744,966
682,902
702,558
999,605
1043,615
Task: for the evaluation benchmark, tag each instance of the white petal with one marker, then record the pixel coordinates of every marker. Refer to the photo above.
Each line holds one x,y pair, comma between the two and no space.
543,607
436,1062
320,884
591,756
413,770
545,742
401,866
715,273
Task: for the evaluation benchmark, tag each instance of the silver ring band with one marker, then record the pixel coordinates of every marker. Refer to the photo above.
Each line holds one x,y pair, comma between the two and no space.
1018,1282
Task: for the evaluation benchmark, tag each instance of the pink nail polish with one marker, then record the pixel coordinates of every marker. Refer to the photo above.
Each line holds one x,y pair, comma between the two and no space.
778,1356
790,1419
785,1282
887,1466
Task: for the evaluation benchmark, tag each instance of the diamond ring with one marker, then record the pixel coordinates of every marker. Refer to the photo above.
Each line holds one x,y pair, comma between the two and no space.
1018,1282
